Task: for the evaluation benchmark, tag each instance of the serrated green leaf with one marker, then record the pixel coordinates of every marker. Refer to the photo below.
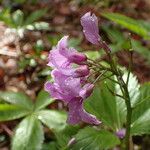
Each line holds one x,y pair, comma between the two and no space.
93,139
53,119
35,16
43,99
103,104
28,135
141,112
17,98
133,88
129,23
18,17
142,124
11,112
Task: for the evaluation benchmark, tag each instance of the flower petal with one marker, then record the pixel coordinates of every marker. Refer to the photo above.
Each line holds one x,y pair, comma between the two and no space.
53,89
86,90
77,113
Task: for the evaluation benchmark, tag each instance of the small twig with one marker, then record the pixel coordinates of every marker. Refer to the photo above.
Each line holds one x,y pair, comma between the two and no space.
99,76
113,93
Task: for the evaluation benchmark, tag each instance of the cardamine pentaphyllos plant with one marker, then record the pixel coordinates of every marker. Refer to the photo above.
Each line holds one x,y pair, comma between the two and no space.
71,82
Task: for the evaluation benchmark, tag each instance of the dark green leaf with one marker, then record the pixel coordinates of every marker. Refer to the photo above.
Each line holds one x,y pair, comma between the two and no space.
103,104
129,23
18,98
64,136
28,135
11,112
53,119
141,112
50,146
35,16
43,99
143,51
93,139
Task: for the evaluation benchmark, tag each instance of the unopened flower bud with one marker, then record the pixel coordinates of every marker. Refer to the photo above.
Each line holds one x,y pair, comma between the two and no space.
89,23
78,58
121,133
82,71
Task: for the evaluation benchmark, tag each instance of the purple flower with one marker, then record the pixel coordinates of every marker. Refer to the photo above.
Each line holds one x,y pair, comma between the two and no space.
62,57
89,23
121,133
70,84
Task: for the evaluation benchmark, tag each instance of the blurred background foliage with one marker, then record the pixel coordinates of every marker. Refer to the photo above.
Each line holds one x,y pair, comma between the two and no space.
28,30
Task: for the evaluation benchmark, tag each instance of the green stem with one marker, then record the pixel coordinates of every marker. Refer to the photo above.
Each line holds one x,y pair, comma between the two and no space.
128,125
125,92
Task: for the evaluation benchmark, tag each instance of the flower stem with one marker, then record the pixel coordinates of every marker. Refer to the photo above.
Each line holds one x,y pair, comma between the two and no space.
125,92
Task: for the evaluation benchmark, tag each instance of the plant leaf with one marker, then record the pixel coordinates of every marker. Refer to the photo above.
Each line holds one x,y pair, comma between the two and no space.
141,112
50,146
35,16
38,26
18,98
11,112
93,54
133,88
17,18
5,16
43,99
53,119
103,104
28,135
90,138
129,23
142,50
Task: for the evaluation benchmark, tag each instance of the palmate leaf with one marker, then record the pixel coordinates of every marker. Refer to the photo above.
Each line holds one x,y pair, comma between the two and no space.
43,99
11,112
103,104
93,139
129,23
19,99
28,135
141,112
53,119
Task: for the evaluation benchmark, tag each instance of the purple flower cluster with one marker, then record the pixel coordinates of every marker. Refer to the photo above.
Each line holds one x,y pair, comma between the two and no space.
69,73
